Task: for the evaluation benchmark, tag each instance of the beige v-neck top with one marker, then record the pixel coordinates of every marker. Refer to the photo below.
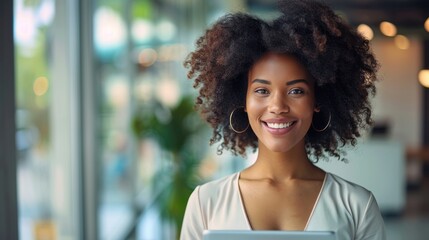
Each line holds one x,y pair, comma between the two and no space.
343,207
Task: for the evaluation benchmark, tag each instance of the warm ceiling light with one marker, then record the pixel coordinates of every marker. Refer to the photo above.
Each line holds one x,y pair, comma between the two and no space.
424,77
366,31
402,42
388,29
427,24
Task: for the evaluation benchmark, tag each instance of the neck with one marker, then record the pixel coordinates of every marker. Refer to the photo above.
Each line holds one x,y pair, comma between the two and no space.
280,166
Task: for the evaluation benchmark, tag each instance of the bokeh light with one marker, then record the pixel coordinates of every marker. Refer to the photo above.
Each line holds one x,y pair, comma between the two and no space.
168,92
40,86
110,28
165,30
388,29
402,42
424,77
46,12
25,28
366,31
427,24
118,93
147,57
142,31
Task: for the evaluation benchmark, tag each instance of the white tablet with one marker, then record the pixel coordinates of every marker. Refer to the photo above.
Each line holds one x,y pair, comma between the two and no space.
267,235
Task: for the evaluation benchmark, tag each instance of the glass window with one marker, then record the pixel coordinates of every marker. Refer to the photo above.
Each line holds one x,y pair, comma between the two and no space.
32,23
140,47
47,193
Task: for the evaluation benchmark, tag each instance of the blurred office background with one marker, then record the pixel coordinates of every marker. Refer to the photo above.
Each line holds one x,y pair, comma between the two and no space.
109,147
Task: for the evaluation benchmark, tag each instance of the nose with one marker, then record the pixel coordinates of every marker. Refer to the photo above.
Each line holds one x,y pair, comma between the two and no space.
278,104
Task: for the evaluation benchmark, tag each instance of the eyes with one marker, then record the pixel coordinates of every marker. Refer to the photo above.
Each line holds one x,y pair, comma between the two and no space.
292,92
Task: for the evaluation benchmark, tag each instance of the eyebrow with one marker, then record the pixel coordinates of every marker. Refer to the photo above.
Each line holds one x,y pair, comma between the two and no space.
261,81
287,84
296,81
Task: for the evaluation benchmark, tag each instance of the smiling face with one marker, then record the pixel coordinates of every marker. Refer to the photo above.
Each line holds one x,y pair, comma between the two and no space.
280,102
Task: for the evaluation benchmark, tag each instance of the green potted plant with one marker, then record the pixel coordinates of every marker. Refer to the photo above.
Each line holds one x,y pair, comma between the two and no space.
177,130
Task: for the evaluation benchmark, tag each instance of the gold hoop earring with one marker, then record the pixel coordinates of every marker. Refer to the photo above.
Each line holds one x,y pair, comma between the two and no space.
326,127
230,122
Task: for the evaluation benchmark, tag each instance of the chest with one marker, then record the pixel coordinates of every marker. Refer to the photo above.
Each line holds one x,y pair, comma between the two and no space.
269,207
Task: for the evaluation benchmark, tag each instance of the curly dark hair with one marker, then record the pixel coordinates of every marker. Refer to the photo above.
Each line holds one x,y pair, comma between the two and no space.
335,54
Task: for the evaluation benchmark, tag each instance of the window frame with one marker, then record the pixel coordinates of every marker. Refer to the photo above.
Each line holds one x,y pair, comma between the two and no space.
8,164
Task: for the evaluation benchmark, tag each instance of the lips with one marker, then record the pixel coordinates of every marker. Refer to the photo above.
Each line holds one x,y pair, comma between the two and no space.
278,126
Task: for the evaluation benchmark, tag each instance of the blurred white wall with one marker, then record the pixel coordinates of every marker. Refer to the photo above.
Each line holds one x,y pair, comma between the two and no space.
377,165
399,94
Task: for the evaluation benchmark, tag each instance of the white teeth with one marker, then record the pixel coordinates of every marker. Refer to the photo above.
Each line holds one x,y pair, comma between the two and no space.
279,125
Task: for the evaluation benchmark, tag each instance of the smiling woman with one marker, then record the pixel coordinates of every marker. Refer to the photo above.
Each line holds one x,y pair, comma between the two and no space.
302,82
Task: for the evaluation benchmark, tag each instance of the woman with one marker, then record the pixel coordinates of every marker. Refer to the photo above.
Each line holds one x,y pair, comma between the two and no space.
295,89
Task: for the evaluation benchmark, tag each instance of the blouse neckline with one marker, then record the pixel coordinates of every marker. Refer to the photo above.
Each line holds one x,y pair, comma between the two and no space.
237,189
